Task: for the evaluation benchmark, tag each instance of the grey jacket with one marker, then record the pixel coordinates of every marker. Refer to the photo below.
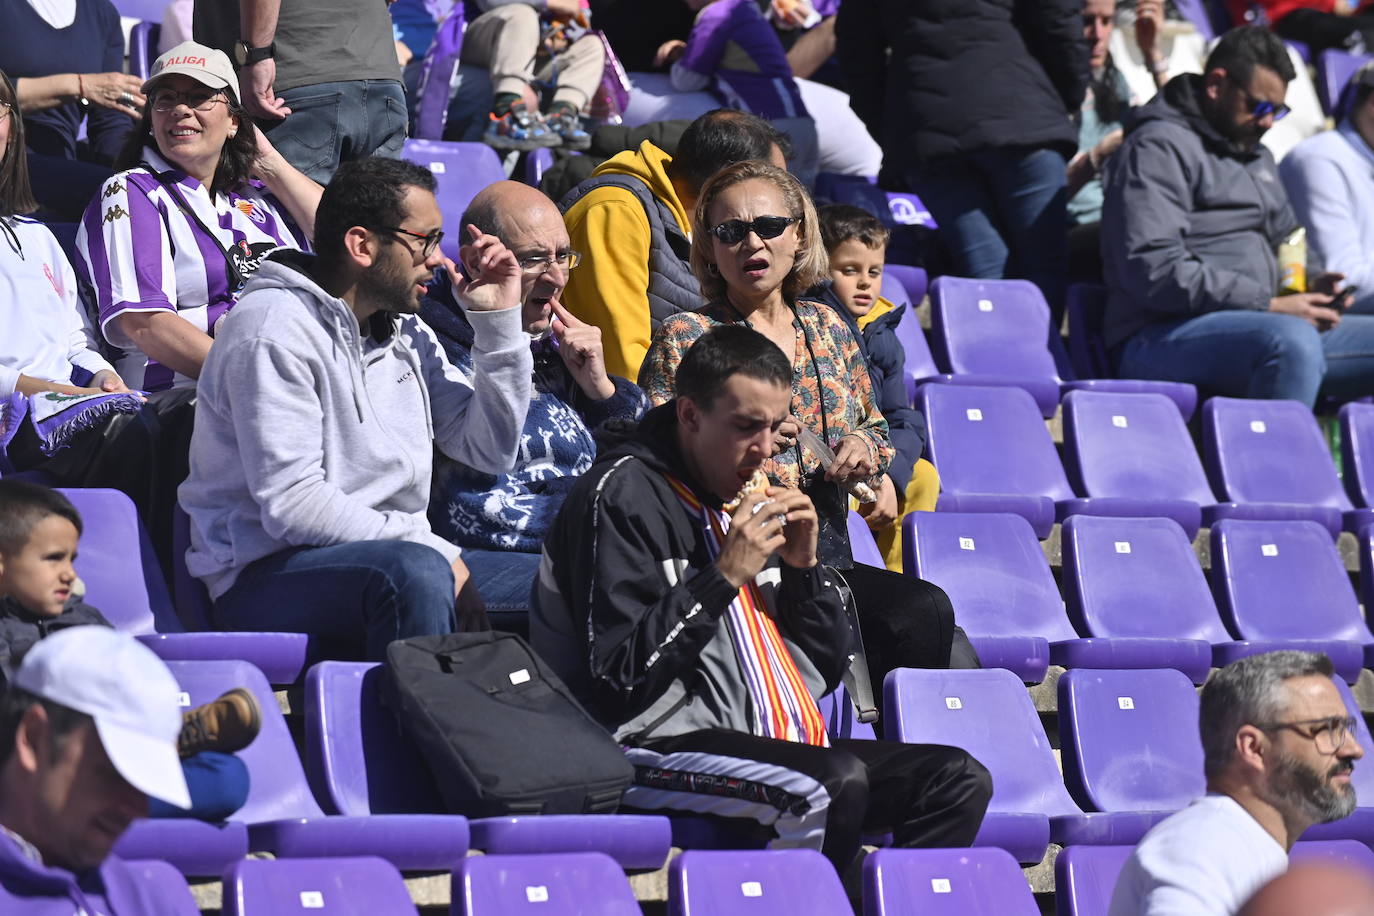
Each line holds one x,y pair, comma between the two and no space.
1189,224
309,433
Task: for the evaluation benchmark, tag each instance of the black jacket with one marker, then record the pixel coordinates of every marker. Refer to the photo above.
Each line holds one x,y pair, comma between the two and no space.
19,629
628,603
963,75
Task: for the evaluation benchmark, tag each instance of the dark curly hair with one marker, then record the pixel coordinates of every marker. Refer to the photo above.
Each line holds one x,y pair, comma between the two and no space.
236,157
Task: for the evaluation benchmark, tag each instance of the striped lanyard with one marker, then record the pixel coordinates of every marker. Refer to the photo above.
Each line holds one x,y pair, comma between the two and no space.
784,708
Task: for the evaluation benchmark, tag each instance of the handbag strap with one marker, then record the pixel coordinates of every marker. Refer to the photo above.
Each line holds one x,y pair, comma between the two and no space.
856,679
185,208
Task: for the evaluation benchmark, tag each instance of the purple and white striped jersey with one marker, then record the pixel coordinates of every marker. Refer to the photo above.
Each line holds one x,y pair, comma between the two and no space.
140,252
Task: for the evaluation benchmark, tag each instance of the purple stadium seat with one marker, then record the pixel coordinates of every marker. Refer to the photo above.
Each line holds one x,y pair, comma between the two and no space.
945,882
1285,582
1269,460
918,364
800,882
570,884
1336,852
1334,70
1357,452
1129,740
168,883
914,280
356,886
861,542
461,170
993,453
1085,877
1134,447
143,38
993,332
1196,12
840,718
361,764
191,847
988,713
140,604
1106,559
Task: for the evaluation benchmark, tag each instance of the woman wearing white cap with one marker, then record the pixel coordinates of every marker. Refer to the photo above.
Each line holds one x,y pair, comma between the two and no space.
168,243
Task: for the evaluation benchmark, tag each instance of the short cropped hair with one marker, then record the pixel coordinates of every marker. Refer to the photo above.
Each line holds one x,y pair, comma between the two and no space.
1249,692
721,137
1246,47
368,192
62,720
811,262
841,222
724,351
23,505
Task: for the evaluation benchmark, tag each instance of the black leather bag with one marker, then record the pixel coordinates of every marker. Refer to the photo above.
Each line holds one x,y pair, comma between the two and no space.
499,731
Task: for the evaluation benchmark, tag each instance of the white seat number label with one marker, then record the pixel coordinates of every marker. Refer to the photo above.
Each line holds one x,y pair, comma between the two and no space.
966,544
953,703
1123,546
312,900
1269,550
1257,426
939,886
1119,421
975,414
751,889
1125,702
537,893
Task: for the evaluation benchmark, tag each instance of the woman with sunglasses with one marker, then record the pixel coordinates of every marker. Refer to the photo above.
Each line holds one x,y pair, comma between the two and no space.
756,245
168,243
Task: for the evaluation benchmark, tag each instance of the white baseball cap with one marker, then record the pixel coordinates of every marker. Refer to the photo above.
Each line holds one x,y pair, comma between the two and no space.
203,64
127,690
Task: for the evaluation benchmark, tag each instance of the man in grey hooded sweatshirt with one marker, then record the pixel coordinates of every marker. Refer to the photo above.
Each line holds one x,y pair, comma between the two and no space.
319,409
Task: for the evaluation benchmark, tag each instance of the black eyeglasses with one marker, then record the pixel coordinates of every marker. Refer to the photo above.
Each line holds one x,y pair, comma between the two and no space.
1328,734
734,231
164,100
1260,108
431,241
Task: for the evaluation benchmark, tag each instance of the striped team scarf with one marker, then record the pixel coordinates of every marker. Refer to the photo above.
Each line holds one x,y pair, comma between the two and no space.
783,707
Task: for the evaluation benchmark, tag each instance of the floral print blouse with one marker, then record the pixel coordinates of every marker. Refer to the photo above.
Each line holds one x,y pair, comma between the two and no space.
835,385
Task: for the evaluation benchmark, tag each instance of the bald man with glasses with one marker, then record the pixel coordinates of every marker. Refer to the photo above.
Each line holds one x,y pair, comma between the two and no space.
1279,747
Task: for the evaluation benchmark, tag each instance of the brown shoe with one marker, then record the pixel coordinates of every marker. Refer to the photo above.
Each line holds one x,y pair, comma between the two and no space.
228,724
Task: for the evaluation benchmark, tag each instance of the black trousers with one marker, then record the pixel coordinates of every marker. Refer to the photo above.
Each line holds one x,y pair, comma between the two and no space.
927,795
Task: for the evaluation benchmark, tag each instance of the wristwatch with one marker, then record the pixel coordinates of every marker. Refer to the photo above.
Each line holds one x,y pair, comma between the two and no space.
246,55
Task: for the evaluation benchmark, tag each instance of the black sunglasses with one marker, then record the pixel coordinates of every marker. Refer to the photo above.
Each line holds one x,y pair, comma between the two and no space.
734,231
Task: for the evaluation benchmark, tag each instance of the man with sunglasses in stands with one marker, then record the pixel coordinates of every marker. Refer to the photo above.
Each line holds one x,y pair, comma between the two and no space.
319,409
1278,747
1192,219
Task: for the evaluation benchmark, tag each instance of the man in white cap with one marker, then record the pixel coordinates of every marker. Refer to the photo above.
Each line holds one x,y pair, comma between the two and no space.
88,730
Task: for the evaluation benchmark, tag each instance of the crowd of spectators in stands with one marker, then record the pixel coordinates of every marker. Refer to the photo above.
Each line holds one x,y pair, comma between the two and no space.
257,325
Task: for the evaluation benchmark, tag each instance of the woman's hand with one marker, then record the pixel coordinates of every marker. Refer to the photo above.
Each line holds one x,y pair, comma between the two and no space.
116,91
108,381
786,436
853,461
878,515
669,52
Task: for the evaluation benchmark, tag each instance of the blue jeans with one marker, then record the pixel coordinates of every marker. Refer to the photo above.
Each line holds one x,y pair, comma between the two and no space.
364,594
1002,213
335,122
504,579
1251,354
217,783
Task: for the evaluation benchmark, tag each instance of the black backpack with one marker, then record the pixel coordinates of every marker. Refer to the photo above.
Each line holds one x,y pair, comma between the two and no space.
498,730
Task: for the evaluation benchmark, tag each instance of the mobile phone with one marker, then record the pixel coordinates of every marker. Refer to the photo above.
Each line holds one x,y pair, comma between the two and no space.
1345,297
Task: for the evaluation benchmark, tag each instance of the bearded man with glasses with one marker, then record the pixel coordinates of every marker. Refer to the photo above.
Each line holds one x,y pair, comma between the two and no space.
1193,216
1279,747
321,405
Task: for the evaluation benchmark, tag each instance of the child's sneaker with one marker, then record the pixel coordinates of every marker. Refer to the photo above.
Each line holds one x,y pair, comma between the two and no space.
519,128
564,122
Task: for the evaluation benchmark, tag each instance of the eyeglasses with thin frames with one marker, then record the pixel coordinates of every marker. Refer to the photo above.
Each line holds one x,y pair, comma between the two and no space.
535,265
431,241
1328,734
164,100
1260,108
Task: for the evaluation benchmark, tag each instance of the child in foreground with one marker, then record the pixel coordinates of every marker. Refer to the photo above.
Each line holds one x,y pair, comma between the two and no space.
40,594
857,244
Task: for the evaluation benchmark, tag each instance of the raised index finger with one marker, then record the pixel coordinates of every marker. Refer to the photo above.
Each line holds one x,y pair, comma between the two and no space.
565,316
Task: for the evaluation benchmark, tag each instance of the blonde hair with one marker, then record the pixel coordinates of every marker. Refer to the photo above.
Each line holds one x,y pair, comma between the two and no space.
811,261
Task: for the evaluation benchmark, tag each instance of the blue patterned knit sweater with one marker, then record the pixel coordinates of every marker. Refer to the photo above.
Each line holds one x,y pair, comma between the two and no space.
512,511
